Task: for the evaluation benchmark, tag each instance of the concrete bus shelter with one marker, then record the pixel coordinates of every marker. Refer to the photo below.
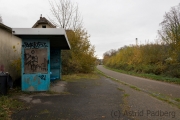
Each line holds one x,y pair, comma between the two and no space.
41,56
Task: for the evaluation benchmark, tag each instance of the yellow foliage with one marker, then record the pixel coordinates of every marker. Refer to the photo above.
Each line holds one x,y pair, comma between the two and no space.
149,58
16,64
80,58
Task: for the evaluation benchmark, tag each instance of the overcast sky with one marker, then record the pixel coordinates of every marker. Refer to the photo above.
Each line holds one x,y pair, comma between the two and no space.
110,23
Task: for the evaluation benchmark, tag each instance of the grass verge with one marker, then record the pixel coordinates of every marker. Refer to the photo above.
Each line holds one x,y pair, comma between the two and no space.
149,76
126,95
80,76
120,89
7,106
45,111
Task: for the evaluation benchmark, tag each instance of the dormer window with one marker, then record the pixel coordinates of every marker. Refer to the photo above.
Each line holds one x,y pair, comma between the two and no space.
43,26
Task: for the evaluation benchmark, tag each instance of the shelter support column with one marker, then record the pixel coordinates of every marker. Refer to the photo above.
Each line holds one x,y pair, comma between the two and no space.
55,64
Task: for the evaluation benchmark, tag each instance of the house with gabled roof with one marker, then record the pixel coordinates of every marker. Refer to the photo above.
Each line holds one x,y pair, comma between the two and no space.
43,23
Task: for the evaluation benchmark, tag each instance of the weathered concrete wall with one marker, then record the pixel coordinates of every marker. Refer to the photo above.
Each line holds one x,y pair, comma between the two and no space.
10,50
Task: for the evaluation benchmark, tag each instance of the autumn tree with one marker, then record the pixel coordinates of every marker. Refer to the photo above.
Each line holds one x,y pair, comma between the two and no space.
170,32
161,58
81,57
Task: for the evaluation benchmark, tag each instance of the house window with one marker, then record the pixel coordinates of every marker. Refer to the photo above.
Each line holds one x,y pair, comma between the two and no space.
43,26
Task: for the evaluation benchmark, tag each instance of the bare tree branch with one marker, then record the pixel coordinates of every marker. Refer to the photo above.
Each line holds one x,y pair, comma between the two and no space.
171,26
65,14
170,32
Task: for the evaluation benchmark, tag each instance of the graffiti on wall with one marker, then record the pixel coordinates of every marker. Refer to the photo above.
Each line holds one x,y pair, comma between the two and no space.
35,60
43,77
35,45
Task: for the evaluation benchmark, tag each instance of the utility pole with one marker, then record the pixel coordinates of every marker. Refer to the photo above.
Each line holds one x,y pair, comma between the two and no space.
136,41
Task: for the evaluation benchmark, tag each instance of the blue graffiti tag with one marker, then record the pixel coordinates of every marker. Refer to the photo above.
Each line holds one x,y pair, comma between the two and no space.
43,77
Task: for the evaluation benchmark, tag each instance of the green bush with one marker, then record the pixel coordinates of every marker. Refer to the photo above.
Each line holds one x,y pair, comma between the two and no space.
173,70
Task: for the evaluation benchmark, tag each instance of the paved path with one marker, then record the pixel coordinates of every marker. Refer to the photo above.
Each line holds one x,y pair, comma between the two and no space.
141,105
97,99
171,90
86,99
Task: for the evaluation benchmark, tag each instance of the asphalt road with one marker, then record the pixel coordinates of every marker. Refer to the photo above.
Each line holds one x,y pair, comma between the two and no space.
99,99
85,99
164,88
143,106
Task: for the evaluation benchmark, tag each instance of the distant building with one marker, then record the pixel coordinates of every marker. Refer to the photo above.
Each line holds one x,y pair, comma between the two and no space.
43,23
